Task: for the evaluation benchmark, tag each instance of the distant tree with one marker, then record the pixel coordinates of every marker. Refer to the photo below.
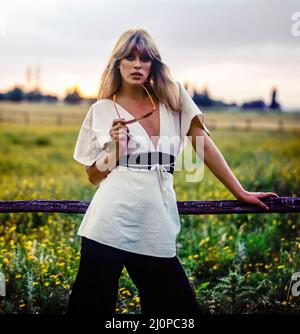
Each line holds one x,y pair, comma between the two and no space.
203,99
258,104
50,98
33,96
274,104
15,95
73,97
3,96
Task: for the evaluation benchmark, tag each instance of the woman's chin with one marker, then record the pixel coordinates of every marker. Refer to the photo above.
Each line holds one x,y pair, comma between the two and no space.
136,82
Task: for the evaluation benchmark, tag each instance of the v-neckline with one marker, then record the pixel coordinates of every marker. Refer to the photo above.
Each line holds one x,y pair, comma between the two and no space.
141,126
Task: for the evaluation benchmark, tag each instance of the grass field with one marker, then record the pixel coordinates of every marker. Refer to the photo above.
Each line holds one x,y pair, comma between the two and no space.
238,263
56,114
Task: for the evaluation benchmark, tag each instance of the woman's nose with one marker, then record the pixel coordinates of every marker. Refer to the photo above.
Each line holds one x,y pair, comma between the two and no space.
137,63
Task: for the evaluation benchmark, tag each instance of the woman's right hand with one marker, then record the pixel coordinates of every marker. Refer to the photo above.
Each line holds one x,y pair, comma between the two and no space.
118,132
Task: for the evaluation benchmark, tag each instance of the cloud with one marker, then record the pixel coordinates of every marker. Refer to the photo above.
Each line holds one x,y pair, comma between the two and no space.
77,36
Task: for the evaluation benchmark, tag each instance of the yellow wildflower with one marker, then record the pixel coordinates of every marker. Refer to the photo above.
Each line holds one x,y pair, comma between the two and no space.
204,241
29,244
12,229
60,264
54,276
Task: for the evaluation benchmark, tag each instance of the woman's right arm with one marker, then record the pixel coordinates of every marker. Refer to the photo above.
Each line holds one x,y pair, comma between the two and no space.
103,166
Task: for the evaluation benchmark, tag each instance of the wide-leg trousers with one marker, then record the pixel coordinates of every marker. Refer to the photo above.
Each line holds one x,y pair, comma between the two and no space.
161,282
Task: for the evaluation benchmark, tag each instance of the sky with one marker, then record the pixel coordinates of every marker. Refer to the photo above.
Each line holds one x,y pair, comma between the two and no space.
238,49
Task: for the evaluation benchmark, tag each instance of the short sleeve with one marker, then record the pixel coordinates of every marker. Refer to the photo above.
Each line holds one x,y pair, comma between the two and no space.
189,110
93,135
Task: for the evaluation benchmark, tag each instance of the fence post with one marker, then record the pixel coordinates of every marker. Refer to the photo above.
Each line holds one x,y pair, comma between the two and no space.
59,119
26,117
280,125
248,124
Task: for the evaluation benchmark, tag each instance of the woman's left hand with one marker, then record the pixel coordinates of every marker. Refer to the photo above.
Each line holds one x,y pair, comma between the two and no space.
254,198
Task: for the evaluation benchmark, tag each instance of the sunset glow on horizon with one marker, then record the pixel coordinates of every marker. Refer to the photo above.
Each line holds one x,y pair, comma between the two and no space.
238,51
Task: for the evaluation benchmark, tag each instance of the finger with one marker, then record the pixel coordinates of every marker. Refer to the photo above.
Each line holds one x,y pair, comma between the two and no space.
118,120
263,205
269,194
118,132
115,133
118,126
274,195
121,130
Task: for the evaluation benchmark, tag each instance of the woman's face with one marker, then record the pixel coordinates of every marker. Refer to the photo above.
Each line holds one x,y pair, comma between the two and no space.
135,62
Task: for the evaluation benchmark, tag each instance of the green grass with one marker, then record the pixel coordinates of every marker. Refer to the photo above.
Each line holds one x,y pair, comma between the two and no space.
39,252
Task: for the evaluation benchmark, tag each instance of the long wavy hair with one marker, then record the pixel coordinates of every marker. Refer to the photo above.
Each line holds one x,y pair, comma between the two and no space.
159,81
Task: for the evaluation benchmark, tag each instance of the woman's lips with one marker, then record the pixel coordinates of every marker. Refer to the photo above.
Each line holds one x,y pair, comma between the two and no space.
137,76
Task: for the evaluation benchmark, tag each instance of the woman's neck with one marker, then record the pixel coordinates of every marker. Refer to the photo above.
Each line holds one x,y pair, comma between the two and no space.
132,92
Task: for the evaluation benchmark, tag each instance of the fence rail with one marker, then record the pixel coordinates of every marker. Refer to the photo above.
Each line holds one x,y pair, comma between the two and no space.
276,205
75,119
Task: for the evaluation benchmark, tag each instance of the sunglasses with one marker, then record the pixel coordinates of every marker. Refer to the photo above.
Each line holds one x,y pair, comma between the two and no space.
140,118
149,113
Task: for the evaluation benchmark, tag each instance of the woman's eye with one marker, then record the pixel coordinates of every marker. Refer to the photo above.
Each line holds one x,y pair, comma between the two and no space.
145,59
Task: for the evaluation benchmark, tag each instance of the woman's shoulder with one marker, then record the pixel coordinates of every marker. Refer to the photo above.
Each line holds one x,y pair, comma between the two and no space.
102,104
101,110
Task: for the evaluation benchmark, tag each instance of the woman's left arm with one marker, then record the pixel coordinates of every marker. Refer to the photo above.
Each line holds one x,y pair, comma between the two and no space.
215,161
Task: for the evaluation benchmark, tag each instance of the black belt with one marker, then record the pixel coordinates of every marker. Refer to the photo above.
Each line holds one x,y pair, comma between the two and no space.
147,160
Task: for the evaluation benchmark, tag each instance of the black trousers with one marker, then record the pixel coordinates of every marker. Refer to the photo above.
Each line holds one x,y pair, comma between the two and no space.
161,282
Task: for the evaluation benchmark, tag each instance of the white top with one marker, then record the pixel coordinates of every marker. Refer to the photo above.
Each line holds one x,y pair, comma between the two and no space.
135,209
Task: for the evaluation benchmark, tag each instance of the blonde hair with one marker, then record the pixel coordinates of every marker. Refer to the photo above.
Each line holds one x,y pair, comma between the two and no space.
159,81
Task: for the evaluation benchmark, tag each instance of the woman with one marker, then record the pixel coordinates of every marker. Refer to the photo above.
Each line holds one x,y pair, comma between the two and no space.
133,220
